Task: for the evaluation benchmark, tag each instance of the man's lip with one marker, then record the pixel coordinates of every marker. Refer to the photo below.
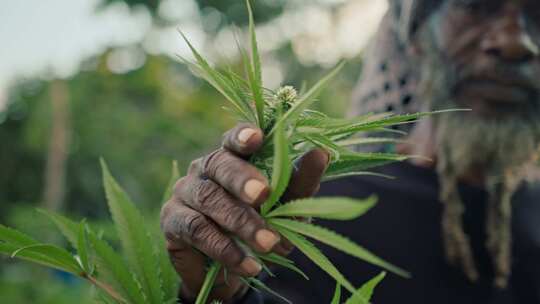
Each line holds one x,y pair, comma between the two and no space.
497,89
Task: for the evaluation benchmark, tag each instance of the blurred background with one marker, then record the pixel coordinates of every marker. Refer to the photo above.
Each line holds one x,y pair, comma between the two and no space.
83,79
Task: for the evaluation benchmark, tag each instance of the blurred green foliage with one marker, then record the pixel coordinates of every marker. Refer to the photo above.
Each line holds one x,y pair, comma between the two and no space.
139,122
234,10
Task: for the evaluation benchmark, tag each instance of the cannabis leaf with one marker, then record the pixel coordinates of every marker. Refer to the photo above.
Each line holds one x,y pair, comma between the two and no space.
145,277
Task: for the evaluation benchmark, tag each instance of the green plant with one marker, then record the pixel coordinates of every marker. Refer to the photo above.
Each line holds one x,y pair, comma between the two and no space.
290,130
141,273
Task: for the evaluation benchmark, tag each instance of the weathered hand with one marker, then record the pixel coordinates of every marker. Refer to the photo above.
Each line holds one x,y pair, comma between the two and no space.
218,200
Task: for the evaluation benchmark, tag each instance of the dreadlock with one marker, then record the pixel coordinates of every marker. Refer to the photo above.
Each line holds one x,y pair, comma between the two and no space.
504,148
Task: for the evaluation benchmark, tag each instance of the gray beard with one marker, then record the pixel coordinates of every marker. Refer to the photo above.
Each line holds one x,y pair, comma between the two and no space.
501,147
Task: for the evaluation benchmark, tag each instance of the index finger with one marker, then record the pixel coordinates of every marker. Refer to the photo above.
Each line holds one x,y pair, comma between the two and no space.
243,140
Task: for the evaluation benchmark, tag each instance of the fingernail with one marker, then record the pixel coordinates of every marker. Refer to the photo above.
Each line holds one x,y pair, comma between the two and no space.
250,266
245,135
253,189
266,239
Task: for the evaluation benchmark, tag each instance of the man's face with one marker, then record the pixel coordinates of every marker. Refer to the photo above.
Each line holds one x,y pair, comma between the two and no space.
483,55
491,49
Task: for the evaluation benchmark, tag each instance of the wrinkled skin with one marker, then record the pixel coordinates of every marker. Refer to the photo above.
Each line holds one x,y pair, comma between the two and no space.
493,48
491,52
218,200
491,44
482,55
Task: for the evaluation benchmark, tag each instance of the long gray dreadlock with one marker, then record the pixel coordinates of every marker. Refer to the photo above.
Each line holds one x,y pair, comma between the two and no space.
391,82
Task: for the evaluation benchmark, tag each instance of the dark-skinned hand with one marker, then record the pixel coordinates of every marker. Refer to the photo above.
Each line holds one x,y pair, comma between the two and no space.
218,200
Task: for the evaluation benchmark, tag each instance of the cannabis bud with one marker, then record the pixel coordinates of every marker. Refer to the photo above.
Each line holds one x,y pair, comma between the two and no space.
286,95
283,100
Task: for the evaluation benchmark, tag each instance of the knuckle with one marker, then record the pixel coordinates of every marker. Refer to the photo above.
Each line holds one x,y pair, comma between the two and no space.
225,249
238,218
195,227
208,193
170,226
213,161
229,170
229,250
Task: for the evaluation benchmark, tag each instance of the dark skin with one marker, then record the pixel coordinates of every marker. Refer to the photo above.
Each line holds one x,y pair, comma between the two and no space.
219,198
493,47
496,40
498,44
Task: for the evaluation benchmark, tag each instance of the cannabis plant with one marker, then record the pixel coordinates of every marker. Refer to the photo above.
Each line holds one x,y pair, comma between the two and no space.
142,273
291,129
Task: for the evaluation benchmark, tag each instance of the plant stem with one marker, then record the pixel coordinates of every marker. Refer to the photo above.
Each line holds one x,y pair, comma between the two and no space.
108,289
208,283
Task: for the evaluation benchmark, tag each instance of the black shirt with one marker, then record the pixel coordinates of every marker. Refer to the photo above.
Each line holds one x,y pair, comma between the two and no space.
405,230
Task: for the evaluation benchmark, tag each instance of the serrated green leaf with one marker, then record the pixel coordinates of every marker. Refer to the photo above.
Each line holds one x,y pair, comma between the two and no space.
257,284
368,141
15,237
312,113
337,241
390,120
59,255
67,227
307,99
240,82
255,89
136,241
82,248
317,123
208,284
111,265
102,297
315,255
364,293
219,82
254,70
337,295
385,130
175,175
335,208
33,256
327,178
282,261
226,88
265,268
325,143
282,169
170,278
255,58
354,162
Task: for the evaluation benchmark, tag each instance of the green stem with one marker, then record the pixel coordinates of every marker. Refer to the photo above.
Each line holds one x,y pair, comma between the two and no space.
208,283
106,288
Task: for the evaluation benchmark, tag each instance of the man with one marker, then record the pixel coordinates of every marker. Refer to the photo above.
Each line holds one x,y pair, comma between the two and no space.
467,225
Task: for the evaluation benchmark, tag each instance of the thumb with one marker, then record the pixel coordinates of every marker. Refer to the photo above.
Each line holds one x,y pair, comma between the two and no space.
307,174
305,180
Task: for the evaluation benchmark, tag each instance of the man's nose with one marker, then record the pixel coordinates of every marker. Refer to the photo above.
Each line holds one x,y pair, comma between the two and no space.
509,40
